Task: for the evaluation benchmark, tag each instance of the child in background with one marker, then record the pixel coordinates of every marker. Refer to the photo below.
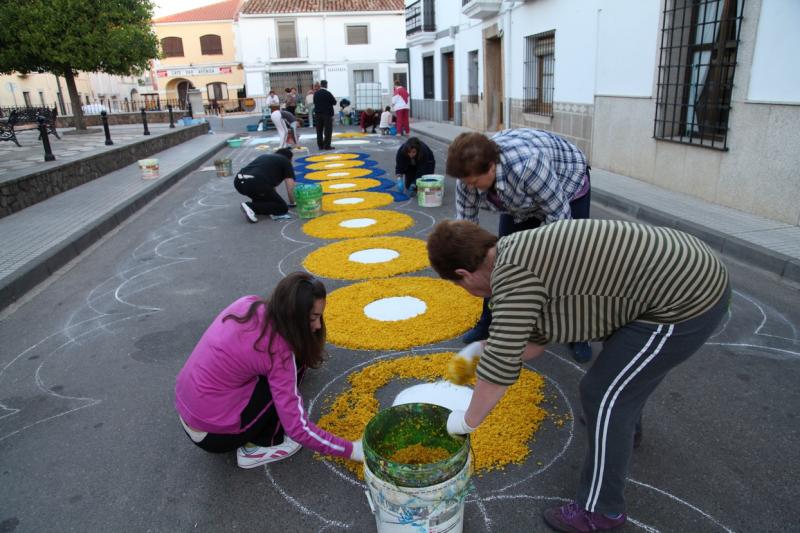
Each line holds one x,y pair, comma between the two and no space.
239,388
386,120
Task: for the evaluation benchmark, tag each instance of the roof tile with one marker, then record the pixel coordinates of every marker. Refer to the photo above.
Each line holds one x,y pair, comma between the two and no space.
221,11
253,7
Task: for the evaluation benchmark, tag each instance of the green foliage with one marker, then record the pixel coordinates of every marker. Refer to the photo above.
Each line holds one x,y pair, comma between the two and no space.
112,36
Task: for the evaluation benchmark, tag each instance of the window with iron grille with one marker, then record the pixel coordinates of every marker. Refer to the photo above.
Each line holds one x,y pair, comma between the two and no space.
172,46
540,61
357,34
287,39
210,45
472,76
427,77
699,41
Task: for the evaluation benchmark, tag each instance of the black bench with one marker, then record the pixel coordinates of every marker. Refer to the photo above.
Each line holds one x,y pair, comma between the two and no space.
27,118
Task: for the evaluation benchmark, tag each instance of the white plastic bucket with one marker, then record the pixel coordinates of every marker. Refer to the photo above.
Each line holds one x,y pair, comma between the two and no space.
435,509
149,168
430,190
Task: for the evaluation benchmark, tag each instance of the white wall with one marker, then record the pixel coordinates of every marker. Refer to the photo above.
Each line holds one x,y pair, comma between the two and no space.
627,47
574,24
323,38
775,73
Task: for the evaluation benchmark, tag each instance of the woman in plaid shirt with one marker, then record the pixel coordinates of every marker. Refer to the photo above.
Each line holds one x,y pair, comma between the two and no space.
531,177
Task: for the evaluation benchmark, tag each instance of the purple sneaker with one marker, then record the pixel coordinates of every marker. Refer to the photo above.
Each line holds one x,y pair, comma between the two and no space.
571,518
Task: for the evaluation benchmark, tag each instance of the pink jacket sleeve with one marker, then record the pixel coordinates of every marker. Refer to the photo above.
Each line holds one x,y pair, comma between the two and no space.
289,405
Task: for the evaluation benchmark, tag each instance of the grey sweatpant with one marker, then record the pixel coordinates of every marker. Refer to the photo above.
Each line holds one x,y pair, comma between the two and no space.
613,392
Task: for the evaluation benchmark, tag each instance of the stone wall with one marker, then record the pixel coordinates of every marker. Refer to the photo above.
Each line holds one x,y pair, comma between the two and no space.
68,121
570,121
24,191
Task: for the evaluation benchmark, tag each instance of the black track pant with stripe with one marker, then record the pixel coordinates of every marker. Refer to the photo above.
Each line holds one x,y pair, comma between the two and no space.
613,392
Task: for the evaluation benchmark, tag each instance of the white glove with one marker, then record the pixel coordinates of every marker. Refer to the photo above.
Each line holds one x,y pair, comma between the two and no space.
471,351
456,425
358,451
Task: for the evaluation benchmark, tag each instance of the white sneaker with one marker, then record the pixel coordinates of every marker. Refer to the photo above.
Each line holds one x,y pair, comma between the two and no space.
260,455
249,213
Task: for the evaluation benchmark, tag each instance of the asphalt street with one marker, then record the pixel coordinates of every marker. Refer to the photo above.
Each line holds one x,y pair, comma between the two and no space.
90,441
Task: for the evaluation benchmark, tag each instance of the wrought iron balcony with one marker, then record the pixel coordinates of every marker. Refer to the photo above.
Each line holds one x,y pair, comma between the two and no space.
420,17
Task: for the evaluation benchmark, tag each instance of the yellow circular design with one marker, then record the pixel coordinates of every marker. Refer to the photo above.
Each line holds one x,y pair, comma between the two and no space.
332,165
352,224
329,157
450,311
338,174
351,135
355,200
345,259
500,440
357,184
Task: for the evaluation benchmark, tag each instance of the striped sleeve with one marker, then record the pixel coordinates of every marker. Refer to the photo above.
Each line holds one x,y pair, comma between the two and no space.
518,297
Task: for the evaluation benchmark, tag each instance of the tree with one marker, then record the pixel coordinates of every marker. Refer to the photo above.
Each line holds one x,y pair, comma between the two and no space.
67,36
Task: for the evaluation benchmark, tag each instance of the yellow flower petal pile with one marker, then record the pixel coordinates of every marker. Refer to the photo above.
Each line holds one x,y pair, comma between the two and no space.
461,371
500,440
357,184
338,174
417,454
369,200
328,226
328,157
450,311
331,165
332,261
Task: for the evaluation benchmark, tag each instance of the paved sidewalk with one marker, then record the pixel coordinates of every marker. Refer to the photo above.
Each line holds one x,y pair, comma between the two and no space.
38,240
16,161
768,244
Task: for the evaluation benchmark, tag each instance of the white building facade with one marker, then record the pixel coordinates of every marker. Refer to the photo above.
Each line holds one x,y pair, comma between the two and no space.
294,44
696,97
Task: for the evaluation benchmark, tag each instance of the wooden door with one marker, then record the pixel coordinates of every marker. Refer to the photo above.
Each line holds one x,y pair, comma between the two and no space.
450,87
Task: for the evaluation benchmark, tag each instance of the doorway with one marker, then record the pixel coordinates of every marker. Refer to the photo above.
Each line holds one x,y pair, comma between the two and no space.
448,84
493,81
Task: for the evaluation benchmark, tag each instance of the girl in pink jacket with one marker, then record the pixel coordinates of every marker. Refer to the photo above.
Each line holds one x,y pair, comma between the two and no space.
239,388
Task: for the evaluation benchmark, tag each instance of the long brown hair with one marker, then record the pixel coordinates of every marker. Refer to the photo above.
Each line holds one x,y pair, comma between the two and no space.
288,311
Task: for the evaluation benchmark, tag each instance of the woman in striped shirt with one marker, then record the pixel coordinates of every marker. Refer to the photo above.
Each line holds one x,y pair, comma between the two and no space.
653,295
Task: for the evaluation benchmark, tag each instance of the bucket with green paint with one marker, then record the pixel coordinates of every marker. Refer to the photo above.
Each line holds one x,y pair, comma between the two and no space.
430,190
408,498
309,199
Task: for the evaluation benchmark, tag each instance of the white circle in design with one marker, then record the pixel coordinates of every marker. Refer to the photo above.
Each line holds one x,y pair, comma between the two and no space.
343,186
337,174
395,308
334,165
373,255
348,201
358,222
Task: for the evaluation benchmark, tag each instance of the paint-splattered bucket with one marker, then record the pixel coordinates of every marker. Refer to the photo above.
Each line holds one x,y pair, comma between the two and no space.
430,190
435,509
149,168
309,199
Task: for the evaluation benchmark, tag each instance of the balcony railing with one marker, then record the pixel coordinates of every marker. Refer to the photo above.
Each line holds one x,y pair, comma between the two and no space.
420,16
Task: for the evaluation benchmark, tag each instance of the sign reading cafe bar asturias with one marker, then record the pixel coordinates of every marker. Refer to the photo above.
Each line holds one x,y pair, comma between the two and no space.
195,71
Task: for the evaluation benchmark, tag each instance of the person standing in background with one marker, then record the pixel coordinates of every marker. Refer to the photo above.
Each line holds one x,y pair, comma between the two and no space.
290,100
400,104
323,115
310,103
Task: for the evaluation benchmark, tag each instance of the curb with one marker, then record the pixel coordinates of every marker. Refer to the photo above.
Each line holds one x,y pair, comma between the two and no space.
754,255
42,267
